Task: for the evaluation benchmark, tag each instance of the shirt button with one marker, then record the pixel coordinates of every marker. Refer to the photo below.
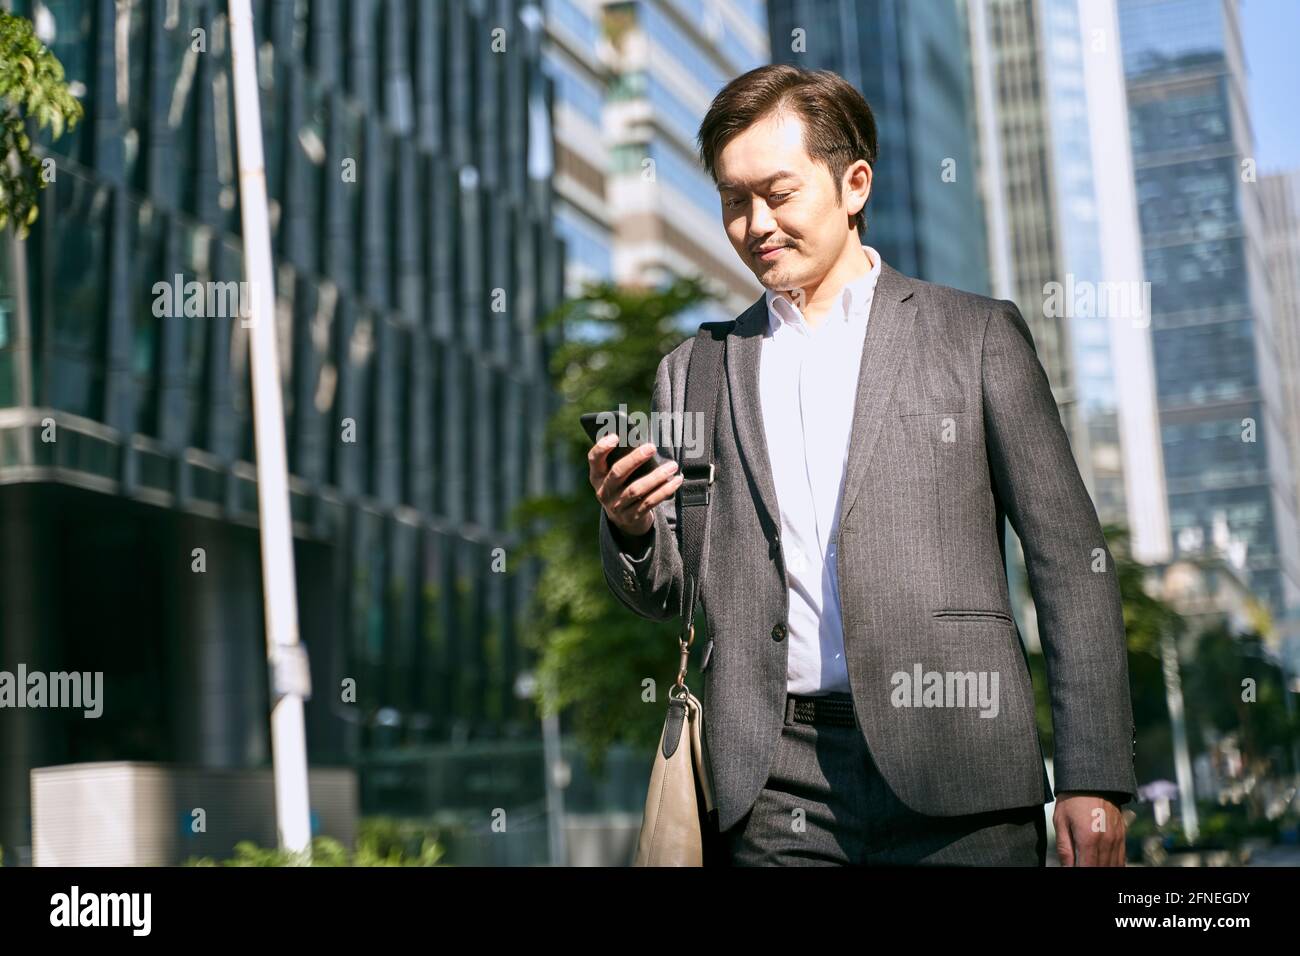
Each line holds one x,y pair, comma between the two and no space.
778,632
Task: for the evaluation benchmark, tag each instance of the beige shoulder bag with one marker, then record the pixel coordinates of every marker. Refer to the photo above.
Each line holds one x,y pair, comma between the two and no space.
680,826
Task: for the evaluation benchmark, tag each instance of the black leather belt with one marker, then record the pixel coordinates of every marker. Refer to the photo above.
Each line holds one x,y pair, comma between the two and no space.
835,710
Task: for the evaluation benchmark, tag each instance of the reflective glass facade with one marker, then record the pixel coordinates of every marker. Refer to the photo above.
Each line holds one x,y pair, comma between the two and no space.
414,255
1215,357
910,59
668,59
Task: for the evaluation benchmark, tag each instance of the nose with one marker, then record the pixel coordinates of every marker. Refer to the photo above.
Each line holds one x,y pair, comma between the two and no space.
761,222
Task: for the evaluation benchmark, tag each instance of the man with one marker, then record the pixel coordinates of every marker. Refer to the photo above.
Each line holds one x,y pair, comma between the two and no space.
866,695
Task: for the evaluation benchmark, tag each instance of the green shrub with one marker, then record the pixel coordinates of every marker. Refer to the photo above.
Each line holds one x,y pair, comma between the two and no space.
381,841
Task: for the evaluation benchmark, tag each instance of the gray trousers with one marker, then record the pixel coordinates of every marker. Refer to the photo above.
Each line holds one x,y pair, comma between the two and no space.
826,804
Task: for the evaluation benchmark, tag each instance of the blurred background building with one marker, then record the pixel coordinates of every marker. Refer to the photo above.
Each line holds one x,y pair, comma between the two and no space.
1219,352
1280,205
1050,113
575,57
409,176
668,58
910,59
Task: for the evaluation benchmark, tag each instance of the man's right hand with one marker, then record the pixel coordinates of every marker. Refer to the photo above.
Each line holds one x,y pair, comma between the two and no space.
630,507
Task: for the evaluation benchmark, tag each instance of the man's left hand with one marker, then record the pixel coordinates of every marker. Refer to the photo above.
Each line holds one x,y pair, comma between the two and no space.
1089,830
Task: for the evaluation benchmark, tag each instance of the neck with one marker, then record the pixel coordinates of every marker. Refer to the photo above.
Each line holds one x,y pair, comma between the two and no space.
852,263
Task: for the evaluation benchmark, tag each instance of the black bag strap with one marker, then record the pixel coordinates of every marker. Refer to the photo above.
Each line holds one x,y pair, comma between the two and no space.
703,396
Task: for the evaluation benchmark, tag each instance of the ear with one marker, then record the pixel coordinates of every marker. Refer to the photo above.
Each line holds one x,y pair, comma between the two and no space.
857,186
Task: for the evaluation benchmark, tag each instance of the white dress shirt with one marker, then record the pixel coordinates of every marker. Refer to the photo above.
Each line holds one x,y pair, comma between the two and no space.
808,381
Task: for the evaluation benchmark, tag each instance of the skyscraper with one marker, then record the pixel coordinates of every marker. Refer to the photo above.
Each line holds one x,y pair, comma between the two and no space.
1064,239
574,58
1215,341
668,58
910,60
1280,203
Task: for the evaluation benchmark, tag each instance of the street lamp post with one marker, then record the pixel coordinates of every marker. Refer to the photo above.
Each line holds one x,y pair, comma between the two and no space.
290,677
556,772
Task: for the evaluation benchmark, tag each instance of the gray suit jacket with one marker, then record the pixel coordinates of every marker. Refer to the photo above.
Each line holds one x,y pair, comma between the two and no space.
954,427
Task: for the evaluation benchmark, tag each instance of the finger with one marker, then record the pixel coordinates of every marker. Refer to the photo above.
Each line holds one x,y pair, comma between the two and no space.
652,481
1118,850
1064,842
612,491
630,506
632,460
652,500
614,475
1115,837
668,489
596,467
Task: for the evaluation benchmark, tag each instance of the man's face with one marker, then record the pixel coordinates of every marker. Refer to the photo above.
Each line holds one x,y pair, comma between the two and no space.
774,196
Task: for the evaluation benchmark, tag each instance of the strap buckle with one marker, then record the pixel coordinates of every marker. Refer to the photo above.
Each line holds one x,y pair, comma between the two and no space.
695,484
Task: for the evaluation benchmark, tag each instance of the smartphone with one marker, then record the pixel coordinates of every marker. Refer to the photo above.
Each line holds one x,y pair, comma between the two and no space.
593,422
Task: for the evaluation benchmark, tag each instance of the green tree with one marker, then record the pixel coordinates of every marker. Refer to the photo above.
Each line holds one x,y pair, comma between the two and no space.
1145,619
31,87
1217,700
593,653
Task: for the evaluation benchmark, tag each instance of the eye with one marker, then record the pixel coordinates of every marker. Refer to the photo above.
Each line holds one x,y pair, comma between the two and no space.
778,196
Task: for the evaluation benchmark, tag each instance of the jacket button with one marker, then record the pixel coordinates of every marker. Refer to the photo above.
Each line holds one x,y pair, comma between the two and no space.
778,632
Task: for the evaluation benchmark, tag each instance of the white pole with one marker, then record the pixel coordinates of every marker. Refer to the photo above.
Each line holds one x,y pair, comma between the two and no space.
1178,727
289,684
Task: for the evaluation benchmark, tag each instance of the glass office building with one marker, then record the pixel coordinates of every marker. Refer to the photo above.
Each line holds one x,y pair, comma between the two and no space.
1052,111
668,59
1215,341
572,58
910,59
415,252
1281,206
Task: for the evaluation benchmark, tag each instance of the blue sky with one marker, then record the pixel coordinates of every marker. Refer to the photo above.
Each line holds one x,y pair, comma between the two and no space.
1269,31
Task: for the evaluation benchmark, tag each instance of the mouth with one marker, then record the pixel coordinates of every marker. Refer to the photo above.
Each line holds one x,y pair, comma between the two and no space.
770,254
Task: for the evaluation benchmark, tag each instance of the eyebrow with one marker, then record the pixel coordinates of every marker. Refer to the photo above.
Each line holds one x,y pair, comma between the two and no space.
779,174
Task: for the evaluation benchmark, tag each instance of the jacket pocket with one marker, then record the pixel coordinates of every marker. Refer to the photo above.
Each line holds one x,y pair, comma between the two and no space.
975,615
938,408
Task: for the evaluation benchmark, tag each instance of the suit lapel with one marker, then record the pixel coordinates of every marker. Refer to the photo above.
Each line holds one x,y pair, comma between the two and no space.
744,349
885,344
883,348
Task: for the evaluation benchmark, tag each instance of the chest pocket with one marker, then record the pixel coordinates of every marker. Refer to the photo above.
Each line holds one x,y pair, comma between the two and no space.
931,382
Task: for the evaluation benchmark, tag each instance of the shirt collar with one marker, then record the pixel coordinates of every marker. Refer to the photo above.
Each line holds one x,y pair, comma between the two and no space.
854,299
